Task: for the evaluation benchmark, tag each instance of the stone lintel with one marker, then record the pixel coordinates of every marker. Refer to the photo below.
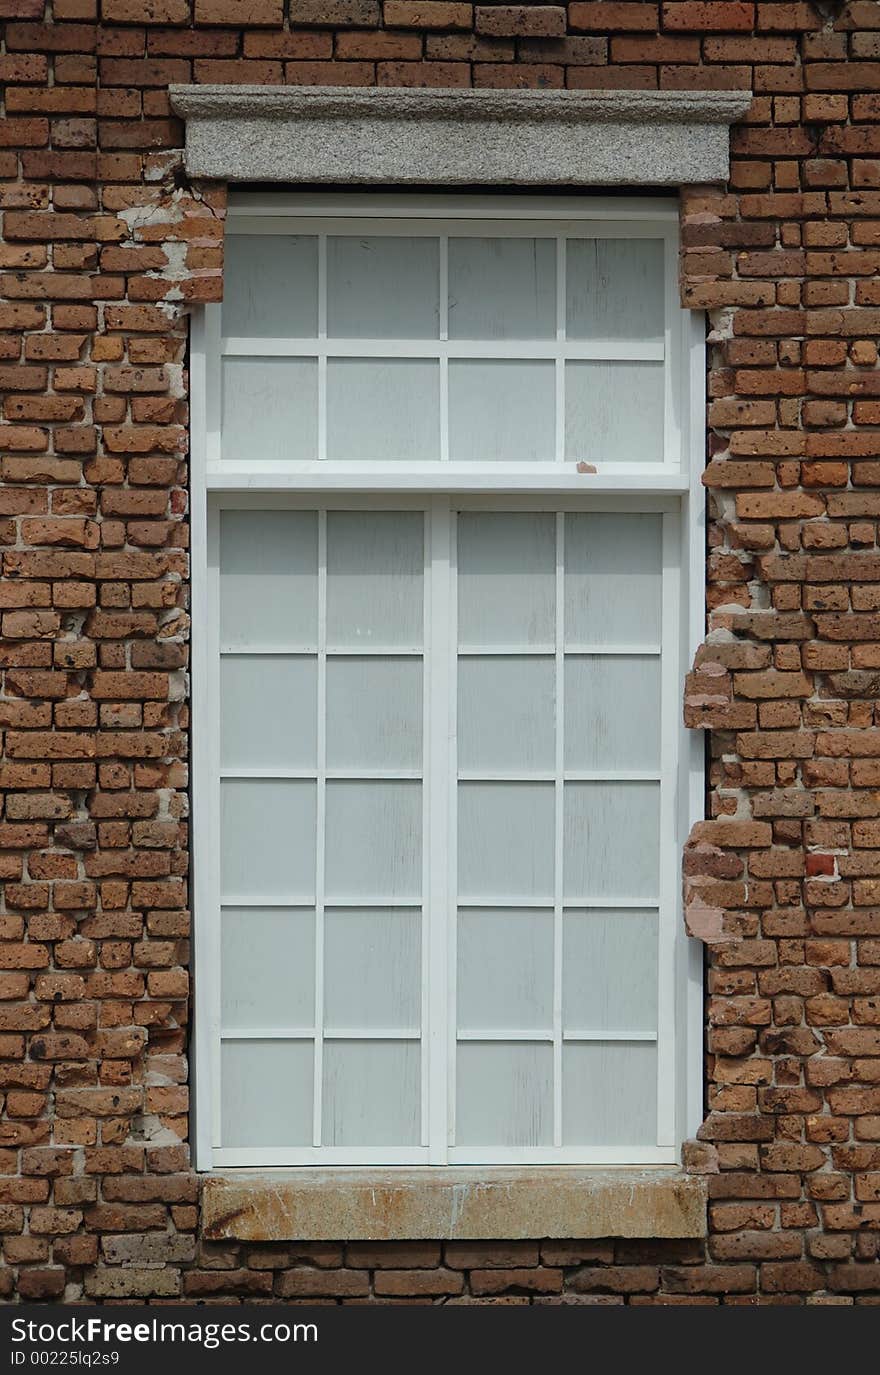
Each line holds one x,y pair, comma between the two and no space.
415,136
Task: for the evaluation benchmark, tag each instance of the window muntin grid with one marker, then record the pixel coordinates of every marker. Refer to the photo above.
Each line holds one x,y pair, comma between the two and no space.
276,483
447,345
441,1051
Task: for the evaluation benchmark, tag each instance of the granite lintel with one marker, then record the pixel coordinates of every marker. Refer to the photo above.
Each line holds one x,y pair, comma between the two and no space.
414,136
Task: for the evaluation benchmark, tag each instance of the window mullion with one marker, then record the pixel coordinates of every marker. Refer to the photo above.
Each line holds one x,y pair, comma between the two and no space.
322,347
559,790
207,873
669,873
438,918
426,916
320,807
672,435
444,353
560,355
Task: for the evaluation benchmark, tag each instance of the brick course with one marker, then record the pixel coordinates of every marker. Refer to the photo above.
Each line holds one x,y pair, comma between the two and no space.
104,247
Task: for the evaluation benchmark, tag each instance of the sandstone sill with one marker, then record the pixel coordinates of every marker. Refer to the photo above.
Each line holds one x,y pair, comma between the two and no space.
433,1203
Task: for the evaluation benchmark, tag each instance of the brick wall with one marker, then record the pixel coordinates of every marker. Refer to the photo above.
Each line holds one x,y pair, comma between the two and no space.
104,245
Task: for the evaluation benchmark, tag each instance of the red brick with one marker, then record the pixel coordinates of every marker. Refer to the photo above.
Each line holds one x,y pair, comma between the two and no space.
436,1282
521,21
600,15
104,250
692,16
241,13
540,1280
149,11
427,14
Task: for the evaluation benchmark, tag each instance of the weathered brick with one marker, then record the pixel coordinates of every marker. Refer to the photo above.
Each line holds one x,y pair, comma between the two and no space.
105,248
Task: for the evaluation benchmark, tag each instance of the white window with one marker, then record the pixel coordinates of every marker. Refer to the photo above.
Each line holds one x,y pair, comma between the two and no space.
444,548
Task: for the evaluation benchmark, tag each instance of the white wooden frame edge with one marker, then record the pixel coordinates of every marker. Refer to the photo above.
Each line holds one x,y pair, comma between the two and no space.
685,486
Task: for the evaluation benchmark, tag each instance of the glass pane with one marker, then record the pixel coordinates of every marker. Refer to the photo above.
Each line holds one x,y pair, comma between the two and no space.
374,713
609,970
612,712
609,1093
383,288
615,289
506,579
266,1093
614,412
504,411
268,968
374,841
372,969
270,409
268,838
505,970
613,566
383,409
375,578
506,713
502,288
270,286
505,840
268,578
372,1093
611,840
268,711
504,1094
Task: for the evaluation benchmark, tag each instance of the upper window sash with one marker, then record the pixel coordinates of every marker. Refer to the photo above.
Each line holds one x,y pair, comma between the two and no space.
559,363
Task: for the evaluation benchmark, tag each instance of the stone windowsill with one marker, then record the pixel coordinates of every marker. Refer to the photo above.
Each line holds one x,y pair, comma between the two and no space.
433,1203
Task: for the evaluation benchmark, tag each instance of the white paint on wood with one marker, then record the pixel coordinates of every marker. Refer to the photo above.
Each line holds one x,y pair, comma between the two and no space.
383,409
615,289
502,288
268,578
270,285
506,713
505,840
374,840
371,1093
268,838
267,973
506,578
268,712
609,1094
325,613
610,970
380,287
266,1093
614,412
612,712
502,411
270,410
505,1094
374,712
505,970
363,357
612,579
612,840
372,976
375,567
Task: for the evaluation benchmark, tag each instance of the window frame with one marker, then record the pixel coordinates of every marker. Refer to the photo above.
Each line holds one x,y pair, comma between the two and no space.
670,487
514,216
